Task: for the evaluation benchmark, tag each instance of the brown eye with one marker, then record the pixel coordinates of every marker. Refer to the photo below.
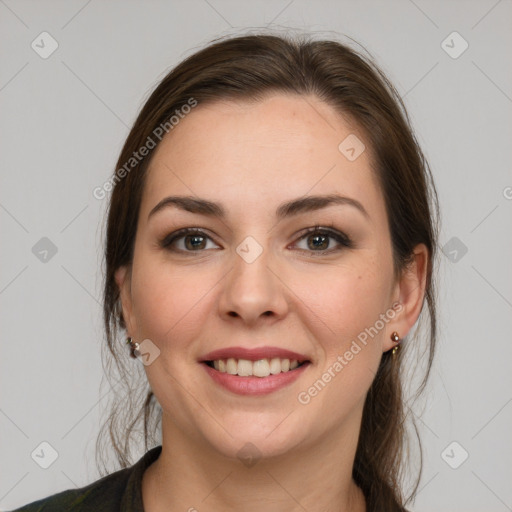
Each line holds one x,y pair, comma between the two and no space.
318,240
186,240
193,242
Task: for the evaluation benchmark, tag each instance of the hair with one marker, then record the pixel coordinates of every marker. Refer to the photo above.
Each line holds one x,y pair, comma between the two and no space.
249,68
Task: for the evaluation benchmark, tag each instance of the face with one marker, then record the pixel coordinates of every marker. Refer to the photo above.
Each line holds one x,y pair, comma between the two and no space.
261,279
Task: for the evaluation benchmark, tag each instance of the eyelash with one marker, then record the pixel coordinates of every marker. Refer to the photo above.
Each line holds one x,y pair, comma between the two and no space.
340,237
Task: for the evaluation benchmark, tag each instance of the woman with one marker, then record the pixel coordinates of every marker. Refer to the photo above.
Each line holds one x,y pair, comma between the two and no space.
270,246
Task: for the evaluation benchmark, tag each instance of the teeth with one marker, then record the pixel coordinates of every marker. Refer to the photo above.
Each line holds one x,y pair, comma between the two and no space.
231,366
244,368
260,368
275,365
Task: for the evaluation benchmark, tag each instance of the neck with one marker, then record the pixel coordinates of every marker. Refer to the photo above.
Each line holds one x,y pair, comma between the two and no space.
191,476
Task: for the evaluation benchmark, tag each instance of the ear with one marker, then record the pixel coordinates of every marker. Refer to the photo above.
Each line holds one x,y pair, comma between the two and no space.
123,280
409,292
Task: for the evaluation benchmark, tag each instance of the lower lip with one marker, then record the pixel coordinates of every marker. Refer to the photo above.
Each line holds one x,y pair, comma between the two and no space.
255,385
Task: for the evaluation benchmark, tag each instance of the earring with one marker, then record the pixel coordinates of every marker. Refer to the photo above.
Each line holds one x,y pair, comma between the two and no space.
134,347
395,339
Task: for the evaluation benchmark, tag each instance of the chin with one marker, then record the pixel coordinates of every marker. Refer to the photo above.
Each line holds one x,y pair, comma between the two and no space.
256,437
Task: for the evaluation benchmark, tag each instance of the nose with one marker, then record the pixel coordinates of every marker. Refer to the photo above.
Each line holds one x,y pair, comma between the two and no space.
253,291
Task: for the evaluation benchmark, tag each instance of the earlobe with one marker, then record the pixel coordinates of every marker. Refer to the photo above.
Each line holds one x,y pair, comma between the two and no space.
411,293
123,280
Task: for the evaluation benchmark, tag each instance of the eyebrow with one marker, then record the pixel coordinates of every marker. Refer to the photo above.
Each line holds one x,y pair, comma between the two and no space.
288,209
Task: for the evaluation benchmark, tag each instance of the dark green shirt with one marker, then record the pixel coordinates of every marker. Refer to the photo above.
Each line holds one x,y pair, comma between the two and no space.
118,491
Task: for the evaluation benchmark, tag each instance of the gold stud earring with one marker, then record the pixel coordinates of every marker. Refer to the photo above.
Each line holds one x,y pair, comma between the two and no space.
134,347
395,338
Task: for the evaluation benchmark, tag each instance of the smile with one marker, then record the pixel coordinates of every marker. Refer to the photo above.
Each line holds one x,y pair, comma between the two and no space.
256,370
260,368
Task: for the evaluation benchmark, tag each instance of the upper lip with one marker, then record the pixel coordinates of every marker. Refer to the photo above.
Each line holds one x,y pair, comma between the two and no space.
253,354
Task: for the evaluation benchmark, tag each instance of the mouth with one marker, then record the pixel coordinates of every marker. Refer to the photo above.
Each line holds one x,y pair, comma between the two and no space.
259,368
255,371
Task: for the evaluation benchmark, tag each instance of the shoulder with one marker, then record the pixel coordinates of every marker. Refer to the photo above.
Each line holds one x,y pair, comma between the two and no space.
104,494
118,491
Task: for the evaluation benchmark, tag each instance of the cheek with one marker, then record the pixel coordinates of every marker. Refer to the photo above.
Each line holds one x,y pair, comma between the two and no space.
346,300
167,300
353,350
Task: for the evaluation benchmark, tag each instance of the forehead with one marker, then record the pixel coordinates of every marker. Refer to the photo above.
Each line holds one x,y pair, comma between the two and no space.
284,146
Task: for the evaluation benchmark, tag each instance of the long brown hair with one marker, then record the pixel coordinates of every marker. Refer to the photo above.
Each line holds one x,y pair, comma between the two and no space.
248,67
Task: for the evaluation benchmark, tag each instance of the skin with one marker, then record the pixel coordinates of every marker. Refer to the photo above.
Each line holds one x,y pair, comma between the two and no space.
251,157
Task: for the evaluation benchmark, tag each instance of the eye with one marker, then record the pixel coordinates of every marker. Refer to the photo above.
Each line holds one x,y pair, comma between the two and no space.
186,240
318,239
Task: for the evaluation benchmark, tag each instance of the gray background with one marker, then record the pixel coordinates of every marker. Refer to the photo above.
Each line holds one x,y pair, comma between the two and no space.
63,121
